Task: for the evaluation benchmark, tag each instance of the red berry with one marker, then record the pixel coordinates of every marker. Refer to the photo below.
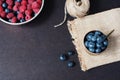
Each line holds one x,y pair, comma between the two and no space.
14,20
39,1
36,10
3,14
30,1
29,6
20,16
15,8
10,15
24,2
1,2
1,9
10,7
17,3
35,5
9,2
22,8
28,12
28,17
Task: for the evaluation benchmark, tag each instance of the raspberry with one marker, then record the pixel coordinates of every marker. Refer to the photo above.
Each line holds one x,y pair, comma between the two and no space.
36,10
3,14
10,7
28,12
1,9
14,20
24,2
29,6
30,1
22,8
1,2
28,17
10,15
35,5
9,2
15,8
17,3
20,16
39,1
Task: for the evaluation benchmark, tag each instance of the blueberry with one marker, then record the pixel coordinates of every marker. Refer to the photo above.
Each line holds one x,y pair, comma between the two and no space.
92,50
7,10
103,48
94,38
87,43
63,57
70,53
71,64
4,5
89,36
99,45
100,39
16,13
98,33
18,0
103,36
105,43
91,44
22,20
9,20
98,50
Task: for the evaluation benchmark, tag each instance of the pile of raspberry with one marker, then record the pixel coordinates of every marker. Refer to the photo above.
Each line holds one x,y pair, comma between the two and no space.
18,11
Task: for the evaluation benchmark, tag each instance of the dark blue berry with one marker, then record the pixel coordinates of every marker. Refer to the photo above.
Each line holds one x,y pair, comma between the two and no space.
92,50
71,64
63,57
18,0
98,50
9,20
97,33
99,45
89,36
94,38
70,53
91,44
7,10
105,43
4,5
103,48
87,43
100,39
22,20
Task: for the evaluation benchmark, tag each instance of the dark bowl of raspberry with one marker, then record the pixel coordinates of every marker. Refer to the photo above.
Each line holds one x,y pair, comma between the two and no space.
18,12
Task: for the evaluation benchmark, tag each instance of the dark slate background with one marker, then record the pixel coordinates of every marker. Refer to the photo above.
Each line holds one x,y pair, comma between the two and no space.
31,51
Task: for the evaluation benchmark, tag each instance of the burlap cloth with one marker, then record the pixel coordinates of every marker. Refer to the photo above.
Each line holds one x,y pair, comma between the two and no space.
105,22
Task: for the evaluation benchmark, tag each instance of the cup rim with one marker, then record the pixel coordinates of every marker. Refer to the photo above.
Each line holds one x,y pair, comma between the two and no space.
25,21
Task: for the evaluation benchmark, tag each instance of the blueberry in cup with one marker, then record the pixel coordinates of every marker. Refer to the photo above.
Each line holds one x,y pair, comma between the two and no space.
96,42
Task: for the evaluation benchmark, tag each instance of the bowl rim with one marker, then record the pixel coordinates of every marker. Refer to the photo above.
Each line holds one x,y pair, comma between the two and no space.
25,21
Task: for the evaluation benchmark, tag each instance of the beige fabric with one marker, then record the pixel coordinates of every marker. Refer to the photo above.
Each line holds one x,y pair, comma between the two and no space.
105,22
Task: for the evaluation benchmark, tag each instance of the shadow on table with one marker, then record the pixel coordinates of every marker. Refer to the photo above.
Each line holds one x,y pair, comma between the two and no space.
103,5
